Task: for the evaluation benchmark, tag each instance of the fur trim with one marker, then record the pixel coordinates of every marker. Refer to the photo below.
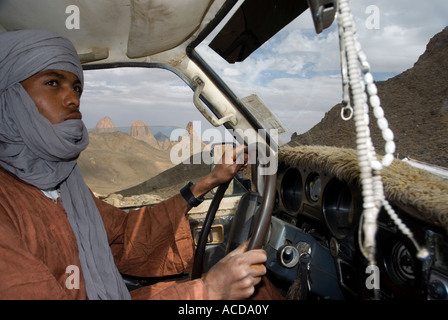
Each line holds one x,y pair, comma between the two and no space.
404,184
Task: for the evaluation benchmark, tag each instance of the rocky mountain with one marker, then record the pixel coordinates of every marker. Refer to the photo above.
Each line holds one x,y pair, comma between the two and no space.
415,103
116,160
104,125
169,181
188,144
162,140
140,131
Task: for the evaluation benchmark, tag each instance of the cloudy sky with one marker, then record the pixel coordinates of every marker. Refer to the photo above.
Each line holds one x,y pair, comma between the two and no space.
298,77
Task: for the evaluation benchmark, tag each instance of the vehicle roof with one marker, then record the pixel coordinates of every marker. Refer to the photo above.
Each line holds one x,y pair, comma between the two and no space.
124,30
111,31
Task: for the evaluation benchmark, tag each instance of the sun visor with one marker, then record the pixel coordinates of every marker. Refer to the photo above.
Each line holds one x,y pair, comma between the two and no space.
256,21
252,25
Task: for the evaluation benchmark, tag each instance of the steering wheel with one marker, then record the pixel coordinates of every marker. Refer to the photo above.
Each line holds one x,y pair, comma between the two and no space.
257,231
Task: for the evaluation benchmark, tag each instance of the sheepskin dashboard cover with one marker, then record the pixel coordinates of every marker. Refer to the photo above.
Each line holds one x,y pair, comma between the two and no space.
419,192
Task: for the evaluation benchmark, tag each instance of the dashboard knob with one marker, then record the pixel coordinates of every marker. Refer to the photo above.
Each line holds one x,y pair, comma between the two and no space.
288,256
437,290
288,253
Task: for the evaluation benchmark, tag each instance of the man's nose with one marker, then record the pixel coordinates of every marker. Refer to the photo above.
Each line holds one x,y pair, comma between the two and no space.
71,99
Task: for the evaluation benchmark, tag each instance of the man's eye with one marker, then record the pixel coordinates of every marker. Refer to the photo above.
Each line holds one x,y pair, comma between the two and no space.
52,83
78,90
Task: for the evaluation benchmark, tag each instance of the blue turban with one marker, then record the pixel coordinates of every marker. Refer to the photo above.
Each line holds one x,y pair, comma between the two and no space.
45,155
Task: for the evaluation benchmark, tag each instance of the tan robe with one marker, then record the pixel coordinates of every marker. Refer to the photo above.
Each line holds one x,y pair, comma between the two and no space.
39,254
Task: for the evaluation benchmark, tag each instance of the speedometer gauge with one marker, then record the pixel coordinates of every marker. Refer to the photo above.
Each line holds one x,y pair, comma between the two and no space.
337,208
313,187
292,190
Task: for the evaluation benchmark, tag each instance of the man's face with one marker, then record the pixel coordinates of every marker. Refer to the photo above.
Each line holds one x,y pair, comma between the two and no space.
56,94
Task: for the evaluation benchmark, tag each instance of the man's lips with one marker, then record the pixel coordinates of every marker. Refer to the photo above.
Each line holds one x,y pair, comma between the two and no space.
74,115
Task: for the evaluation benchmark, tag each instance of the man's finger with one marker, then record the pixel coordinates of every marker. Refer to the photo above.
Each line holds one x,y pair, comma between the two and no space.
258,270
240,249
257,280
238,153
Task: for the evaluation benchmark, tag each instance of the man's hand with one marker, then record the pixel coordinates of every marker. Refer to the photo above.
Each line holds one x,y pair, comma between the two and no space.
232,162
236,275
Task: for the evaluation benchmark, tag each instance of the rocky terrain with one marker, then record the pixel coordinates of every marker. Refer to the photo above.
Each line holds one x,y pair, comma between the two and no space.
415,103
117,160
140,131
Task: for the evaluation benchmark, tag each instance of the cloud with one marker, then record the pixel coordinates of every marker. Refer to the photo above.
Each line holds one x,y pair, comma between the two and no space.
131,94
404,29
300,102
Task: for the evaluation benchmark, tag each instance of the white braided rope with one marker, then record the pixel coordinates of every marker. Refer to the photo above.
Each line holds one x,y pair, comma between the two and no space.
357,77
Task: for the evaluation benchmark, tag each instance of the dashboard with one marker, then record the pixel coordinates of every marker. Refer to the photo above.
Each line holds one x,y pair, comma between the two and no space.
313,243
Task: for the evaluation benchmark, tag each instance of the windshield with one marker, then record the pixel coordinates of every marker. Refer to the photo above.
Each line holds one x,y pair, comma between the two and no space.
141,122
296,74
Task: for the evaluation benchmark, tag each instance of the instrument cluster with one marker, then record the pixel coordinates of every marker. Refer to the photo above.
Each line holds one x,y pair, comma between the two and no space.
310,194
317,209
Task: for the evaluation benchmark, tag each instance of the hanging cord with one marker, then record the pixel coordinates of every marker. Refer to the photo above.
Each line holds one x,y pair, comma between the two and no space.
358,81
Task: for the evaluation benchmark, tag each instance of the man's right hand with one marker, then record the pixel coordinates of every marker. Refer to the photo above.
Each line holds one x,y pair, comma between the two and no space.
236,275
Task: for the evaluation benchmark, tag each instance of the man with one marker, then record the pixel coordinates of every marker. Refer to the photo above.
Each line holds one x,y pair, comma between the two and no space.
57,241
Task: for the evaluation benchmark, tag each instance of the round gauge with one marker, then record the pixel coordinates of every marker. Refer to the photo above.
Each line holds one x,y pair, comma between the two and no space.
314,187
291,190
337,208
400,265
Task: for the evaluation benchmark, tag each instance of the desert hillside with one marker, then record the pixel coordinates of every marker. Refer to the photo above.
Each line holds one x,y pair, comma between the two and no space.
115,161
169,181
415,103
